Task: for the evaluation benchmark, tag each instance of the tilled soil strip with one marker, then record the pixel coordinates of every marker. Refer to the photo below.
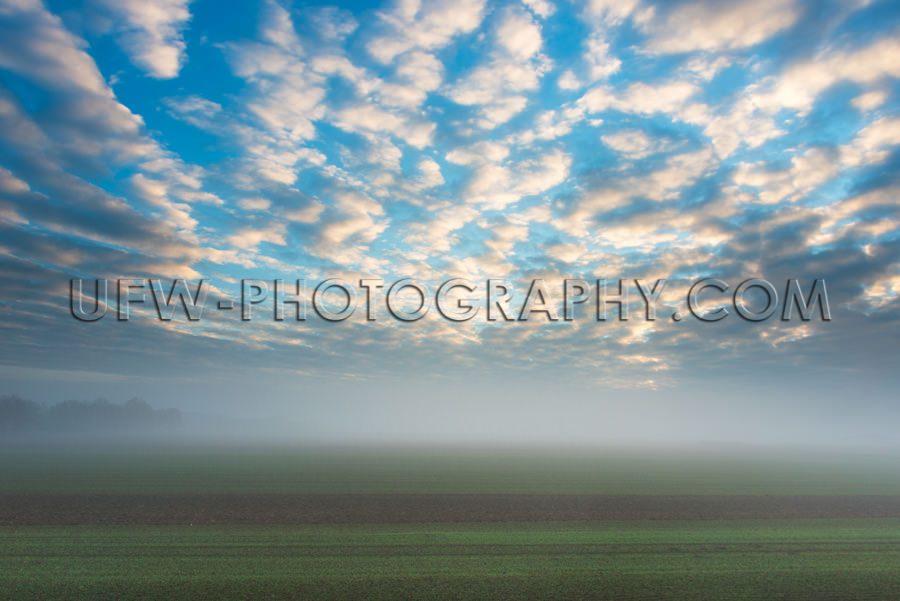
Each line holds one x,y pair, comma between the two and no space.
286,509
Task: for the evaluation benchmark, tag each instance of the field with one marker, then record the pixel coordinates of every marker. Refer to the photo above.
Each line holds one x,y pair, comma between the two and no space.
283,523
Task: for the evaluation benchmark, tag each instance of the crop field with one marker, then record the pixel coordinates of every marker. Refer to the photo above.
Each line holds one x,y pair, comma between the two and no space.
296,524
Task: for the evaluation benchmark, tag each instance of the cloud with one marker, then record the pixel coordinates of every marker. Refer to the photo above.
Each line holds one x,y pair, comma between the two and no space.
250,237
423,24
541,8
478,153
151,33
568,81
11,184
441,139
633,144
870,100
601,64
496,186
668,97
35,45
430,174
436,236
255,204
155,192
332,23
872,143
799,86
711,26
610,12
515,66
417,74
357,222
307,214
368,118
806,172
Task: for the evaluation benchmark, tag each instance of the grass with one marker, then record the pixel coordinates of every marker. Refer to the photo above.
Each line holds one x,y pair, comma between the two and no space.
767,559
291,470
719,560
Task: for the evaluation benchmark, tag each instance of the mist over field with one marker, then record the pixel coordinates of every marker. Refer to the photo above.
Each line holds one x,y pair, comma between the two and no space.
533,417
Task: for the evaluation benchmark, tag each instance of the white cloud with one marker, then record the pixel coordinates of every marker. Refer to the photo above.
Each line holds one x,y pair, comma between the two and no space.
344,239
705,67
680,170
845,217
368,118
742,125
640,97
632,143
496,186
417,73
250,237
610,12
568,81
11,184
504,236
430,174
813,167
719,25
519,36
799,86
89,123
541,8
307,214
332,23
285,98
37,46
552,124
196,110
336,64
870,100
150,32
569,253
156,193
424,24
382,152
872,142
807,171
514,66
254,204
436,236
290,107
285,93
540,175
665,184
884,290
601,64
478,153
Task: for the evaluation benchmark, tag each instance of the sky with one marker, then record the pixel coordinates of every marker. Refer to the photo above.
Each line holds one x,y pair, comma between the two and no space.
441,139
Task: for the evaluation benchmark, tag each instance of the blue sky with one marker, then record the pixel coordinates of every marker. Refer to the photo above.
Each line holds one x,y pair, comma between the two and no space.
432,140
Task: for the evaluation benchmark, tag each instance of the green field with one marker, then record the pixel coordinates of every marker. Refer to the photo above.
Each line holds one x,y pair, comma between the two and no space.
416,524
799,559
299,470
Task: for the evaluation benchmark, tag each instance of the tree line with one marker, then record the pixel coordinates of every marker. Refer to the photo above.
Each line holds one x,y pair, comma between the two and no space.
18,415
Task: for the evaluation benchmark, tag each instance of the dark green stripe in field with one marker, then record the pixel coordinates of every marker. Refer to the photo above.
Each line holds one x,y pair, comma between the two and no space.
290,509
684,560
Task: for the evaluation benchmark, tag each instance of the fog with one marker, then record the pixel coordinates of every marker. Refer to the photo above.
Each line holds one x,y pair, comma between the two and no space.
528,413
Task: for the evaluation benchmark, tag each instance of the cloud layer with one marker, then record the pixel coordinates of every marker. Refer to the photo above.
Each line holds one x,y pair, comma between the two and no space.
434,139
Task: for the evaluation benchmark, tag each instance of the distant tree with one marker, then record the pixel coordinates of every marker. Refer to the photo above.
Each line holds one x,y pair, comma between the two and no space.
98,416
17,413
